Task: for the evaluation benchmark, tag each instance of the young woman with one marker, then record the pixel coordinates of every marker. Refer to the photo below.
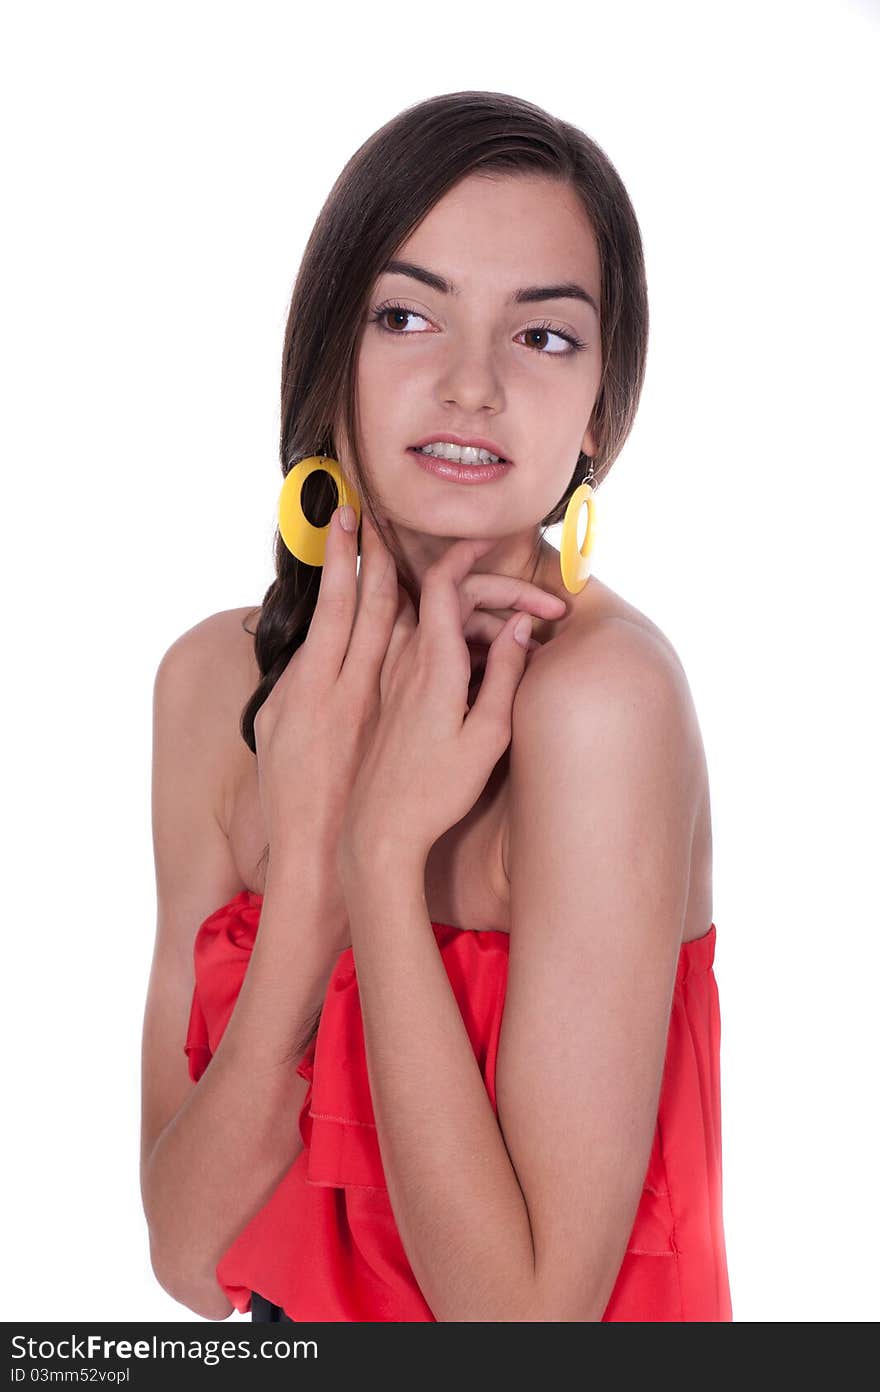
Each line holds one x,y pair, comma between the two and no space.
468,1067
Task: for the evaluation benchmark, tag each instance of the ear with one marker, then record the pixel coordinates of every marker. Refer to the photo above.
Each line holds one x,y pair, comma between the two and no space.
588,444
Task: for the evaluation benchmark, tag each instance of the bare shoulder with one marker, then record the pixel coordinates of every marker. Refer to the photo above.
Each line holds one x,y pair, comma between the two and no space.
214,644
607,652
602,624
608,673
208,673
601,610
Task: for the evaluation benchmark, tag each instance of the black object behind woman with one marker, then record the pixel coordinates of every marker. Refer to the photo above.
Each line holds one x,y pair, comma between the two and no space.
264,1312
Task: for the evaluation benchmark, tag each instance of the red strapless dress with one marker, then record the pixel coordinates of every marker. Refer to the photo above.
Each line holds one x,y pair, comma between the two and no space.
325,1245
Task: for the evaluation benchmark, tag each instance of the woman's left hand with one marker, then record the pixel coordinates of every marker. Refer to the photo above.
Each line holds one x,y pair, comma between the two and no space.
430,757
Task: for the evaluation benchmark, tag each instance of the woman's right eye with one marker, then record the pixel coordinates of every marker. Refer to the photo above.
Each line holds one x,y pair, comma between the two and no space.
401,311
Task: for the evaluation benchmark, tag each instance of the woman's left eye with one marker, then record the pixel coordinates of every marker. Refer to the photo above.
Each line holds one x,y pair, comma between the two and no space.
574,343
402,311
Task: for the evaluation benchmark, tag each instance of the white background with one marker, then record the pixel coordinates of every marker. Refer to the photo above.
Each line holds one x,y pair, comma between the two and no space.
162,168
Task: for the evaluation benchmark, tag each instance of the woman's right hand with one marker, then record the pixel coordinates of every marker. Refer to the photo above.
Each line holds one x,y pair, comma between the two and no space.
315,725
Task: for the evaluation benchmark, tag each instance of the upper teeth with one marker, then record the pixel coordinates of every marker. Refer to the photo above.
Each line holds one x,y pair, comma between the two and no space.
463,454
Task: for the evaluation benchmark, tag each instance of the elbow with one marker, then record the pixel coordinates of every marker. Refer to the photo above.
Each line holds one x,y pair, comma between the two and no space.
185,1276
199,1291
206,1300
202,1295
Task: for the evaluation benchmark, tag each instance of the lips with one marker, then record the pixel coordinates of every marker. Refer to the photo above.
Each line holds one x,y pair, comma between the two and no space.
476,441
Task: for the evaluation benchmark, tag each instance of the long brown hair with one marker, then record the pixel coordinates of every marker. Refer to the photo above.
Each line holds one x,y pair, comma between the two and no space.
382,194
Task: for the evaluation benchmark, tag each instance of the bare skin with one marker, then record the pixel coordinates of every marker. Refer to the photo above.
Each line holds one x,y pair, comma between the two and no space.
471,360
474,365
466,880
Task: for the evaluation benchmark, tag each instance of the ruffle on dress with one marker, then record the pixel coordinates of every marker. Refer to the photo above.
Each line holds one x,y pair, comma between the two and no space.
325,1245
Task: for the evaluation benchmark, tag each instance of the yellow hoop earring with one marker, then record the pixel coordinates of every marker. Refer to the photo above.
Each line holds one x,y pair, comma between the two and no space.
573,559
301,537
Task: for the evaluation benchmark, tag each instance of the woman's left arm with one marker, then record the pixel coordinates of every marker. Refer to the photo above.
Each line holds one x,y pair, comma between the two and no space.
524,1217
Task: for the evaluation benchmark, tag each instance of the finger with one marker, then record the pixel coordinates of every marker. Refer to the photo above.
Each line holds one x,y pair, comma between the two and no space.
407,618
483,627
440,602
377,604
330,627
489,719
405,625
487,590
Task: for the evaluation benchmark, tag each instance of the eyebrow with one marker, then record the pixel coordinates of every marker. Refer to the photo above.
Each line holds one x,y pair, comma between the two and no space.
527,295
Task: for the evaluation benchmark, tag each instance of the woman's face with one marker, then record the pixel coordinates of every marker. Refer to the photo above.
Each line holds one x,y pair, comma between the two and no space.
474,361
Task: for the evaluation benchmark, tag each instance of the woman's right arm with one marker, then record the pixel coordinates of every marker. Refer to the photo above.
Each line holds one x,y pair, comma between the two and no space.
212,1153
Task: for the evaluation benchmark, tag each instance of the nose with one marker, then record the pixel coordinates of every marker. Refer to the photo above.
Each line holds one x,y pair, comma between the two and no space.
471,381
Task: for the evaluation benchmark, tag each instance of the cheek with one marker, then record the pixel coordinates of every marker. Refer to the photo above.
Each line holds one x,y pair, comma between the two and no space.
542,481
386,385
368,377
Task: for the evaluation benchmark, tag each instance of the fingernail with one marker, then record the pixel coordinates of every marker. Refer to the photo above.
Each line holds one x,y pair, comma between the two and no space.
522,630
347,517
